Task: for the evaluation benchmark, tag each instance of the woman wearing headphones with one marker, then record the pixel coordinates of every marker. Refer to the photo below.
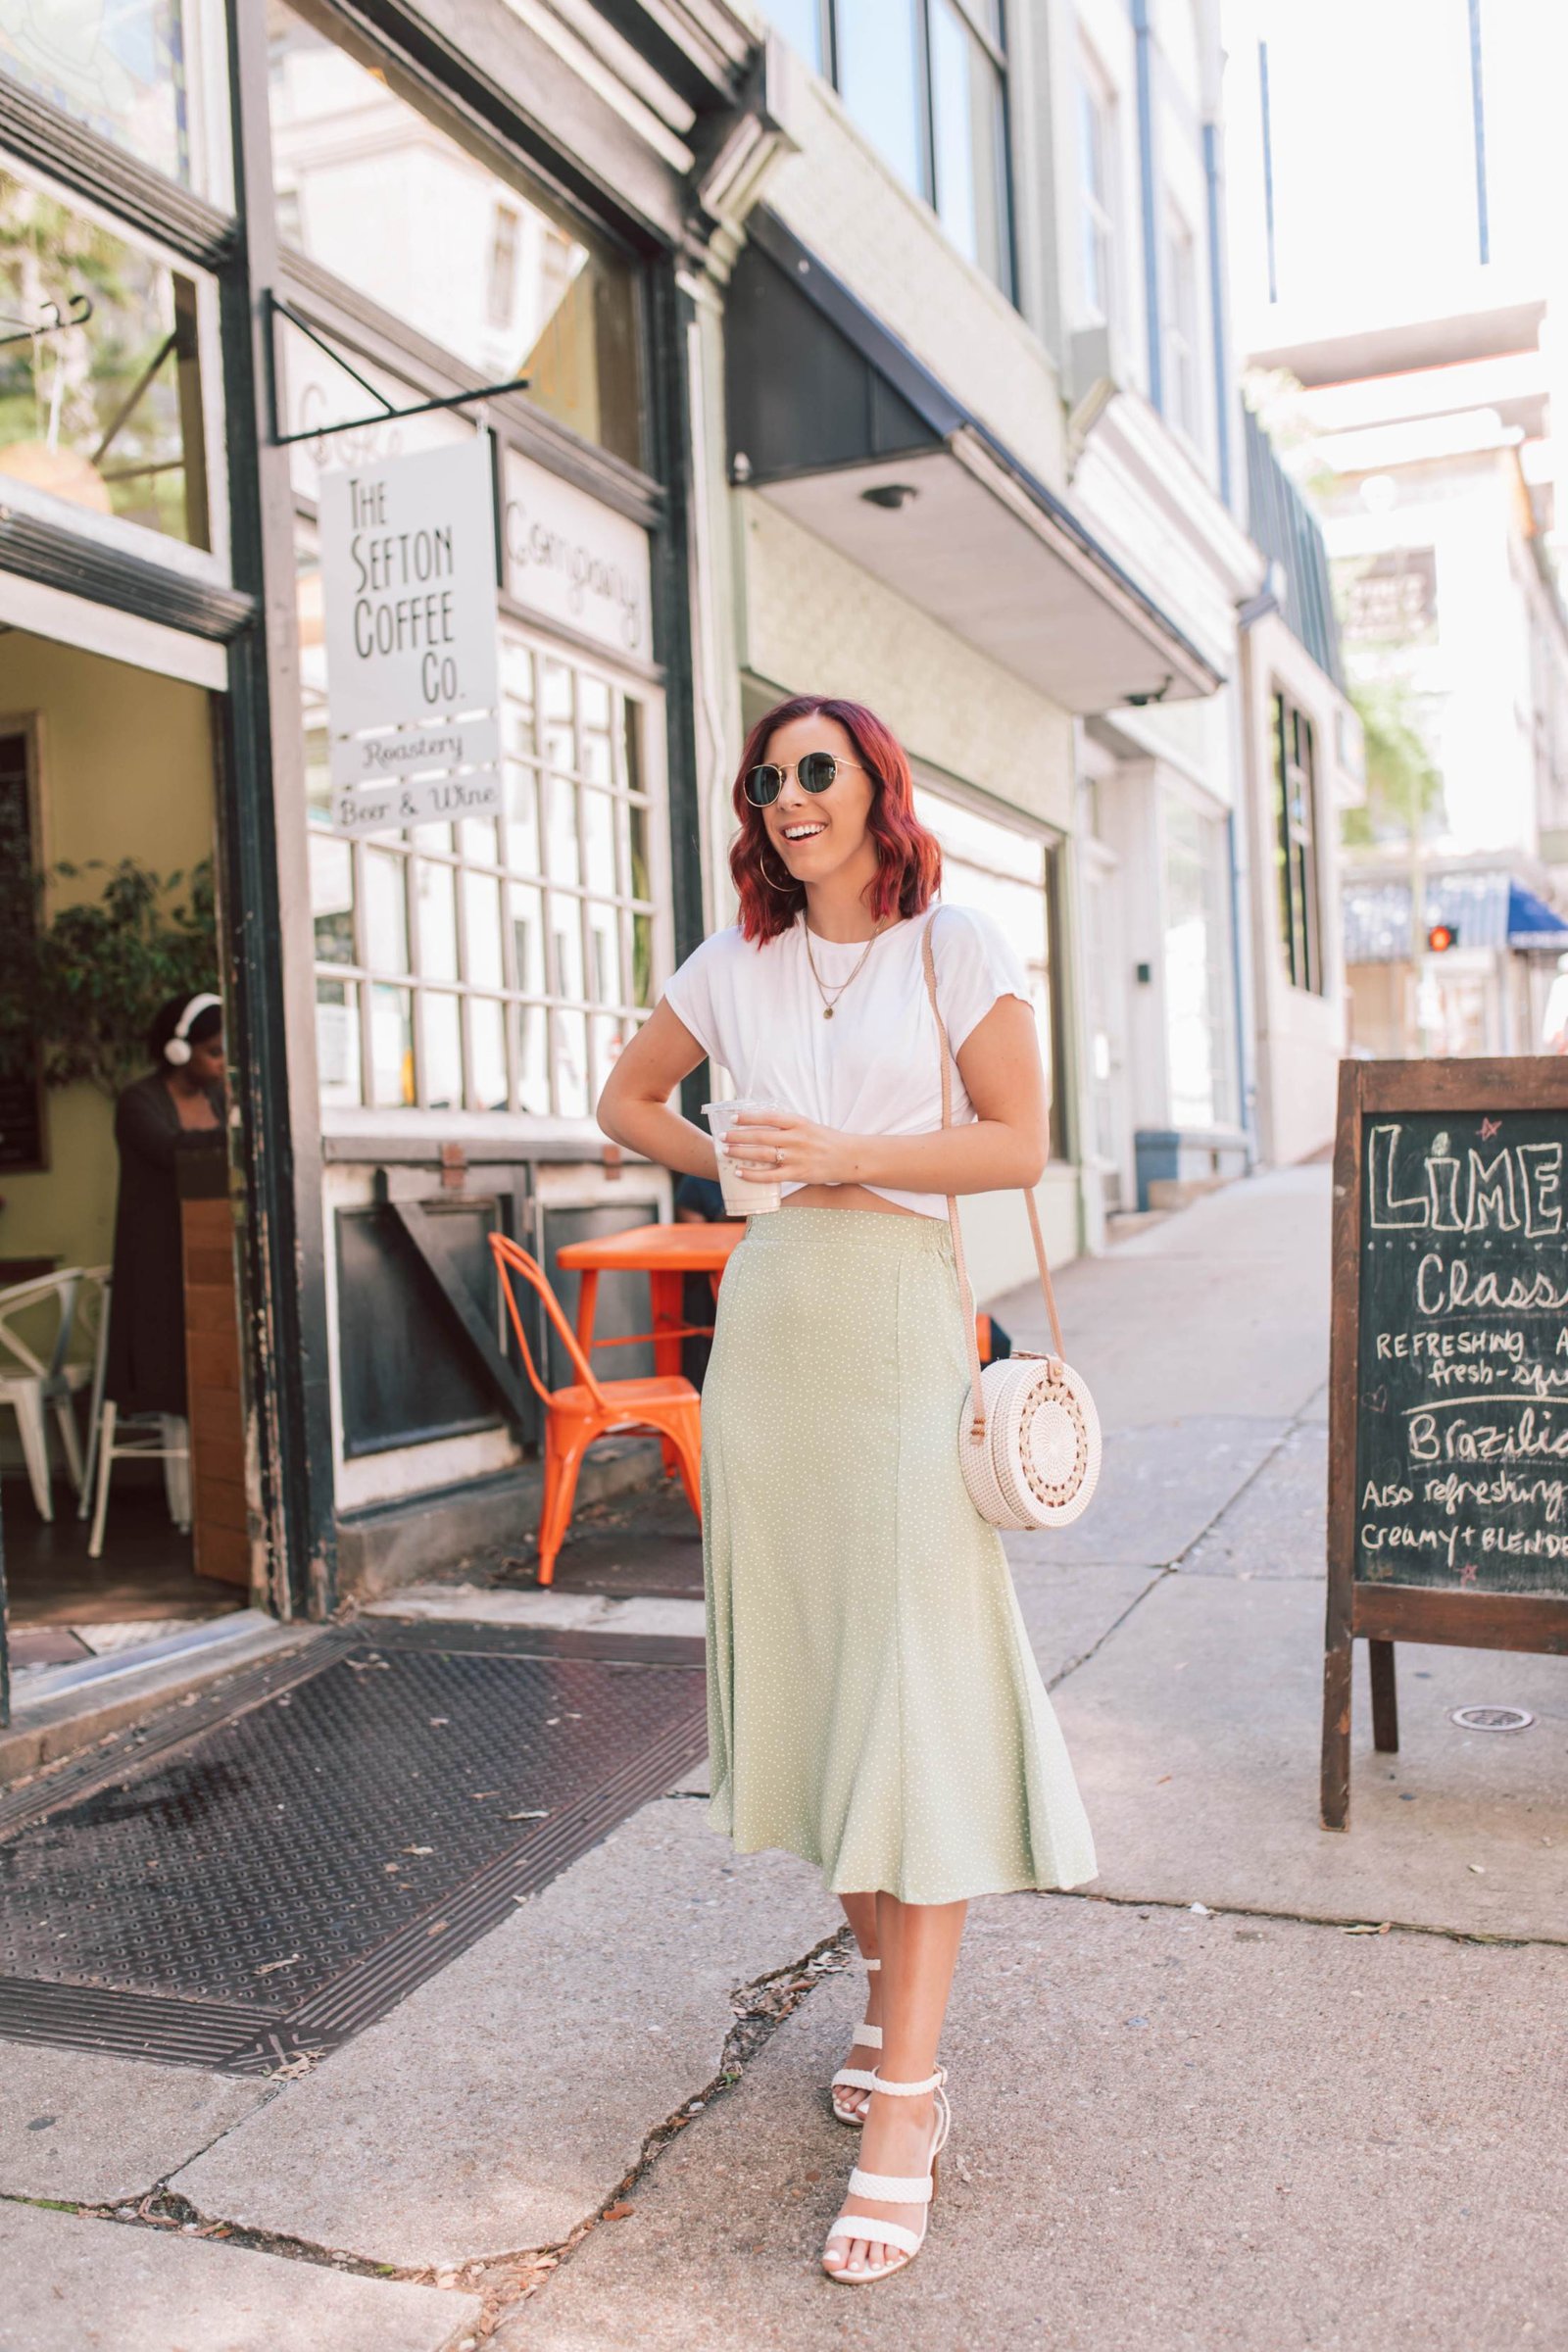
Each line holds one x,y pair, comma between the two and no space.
183,1091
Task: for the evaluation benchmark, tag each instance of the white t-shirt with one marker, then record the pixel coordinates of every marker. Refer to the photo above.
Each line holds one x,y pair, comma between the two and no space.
875,1068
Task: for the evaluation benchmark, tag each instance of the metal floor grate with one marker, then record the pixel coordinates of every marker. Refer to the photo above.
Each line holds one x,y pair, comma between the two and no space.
273,1876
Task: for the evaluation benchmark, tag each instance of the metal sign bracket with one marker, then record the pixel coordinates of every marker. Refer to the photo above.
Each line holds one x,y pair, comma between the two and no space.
277,307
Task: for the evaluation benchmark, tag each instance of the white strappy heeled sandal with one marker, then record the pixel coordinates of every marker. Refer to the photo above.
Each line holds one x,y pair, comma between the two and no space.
889,2188
857,2078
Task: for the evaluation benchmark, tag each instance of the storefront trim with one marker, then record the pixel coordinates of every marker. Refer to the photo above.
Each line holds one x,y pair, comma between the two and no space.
50,142
56,556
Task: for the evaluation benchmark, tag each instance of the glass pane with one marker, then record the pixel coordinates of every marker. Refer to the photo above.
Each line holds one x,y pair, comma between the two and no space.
560,746
637,824
438,920
800,23
642,959
1017,909
967,111
557,691
603,950
979,840
533,1068
879,80
605,1037
443,1053
633,746
565,930
338,1040
487,1048
481,929
593,701
125,70
373,191
516,670
391,1045
476,838
522,820
598,759
571,1063
106,413
332,899
599,841
386,915
565,863
529,939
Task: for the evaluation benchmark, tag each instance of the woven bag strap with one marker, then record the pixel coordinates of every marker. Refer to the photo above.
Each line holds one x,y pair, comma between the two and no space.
928,959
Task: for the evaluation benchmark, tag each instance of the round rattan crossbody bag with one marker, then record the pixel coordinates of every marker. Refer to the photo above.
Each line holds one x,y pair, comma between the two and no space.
1029,1440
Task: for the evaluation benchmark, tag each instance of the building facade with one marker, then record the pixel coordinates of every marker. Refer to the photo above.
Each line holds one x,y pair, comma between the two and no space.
251,248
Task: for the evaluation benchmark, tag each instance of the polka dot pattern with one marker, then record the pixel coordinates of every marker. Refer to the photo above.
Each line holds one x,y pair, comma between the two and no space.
873,1702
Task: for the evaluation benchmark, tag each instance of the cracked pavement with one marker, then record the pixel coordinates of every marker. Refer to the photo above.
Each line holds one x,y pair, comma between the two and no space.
1259,2087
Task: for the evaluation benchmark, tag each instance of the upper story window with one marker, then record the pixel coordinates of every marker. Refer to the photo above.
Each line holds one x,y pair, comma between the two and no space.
1296,845
107,413
1183,400
1096,194
926,82
488,269
146,74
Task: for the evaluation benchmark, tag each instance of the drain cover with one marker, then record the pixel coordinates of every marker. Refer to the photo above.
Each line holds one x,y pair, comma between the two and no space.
268,1875
1491,1719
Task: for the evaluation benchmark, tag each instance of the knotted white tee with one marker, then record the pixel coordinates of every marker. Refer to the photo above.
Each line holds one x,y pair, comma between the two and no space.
876,1067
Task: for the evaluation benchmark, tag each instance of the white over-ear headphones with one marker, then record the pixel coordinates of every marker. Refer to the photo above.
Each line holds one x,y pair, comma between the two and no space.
178,1050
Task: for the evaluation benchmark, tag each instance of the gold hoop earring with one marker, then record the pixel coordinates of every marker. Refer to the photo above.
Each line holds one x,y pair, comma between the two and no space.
762,867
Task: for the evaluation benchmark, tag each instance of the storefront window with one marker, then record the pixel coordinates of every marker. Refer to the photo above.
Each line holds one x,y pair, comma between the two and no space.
372,190
1007,873
105,413
1199,1025
146,74
498,964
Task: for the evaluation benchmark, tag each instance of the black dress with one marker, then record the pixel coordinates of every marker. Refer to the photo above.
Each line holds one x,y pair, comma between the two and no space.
146,1367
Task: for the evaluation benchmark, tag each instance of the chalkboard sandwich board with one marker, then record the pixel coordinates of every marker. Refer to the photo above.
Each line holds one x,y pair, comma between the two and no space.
1448,1374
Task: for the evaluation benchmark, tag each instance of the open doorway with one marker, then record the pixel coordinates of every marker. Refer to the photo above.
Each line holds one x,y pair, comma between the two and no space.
122,1428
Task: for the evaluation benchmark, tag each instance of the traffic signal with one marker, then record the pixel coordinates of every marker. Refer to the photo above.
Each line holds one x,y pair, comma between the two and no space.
1440,938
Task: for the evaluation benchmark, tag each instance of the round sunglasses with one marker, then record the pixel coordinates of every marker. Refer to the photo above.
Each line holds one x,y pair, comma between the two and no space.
814,771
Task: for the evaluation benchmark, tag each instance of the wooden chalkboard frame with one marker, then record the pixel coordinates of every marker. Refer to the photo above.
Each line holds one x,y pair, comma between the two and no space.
1385,1613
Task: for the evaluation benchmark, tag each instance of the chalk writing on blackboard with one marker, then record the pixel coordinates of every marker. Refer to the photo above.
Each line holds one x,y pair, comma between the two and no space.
1462,1414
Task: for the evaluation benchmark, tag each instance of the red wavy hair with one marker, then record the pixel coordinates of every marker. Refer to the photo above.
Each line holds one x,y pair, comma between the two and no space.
909,860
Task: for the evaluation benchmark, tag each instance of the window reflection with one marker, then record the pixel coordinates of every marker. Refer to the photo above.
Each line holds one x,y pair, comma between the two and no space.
137,72
374,191
106,415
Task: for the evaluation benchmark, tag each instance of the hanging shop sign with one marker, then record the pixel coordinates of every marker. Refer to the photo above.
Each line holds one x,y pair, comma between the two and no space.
413,657
573,562
1448,1379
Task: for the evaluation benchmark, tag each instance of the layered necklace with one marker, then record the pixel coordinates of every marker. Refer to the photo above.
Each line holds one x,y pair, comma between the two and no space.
830,1000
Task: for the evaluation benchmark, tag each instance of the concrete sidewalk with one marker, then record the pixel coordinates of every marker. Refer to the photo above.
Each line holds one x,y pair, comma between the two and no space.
1192,2109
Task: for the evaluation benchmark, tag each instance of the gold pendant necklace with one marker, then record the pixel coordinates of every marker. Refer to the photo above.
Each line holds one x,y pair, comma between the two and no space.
829,1003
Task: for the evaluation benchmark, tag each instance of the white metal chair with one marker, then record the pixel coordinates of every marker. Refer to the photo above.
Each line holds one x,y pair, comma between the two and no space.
118,1437
35,1384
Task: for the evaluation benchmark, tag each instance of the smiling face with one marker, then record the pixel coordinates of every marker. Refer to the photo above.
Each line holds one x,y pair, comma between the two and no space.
819,834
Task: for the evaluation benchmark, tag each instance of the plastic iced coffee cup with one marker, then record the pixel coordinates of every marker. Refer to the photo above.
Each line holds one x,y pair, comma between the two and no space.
742,1197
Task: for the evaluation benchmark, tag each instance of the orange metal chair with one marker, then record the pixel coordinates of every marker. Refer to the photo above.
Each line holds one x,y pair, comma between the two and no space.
592,1408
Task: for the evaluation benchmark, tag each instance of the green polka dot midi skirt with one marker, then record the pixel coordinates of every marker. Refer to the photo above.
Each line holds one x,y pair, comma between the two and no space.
873,1702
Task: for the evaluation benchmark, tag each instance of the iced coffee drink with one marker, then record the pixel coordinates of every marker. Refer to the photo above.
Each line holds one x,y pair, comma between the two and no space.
742,1197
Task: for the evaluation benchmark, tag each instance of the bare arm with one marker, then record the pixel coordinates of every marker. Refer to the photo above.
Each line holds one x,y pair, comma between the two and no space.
634,1106
1006,1146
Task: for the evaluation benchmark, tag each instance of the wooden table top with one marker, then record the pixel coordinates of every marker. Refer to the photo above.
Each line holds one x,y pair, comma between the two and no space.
654,1250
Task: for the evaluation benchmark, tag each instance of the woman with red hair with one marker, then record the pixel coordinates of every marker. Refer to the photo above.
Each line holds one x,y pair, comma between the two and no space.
873,1702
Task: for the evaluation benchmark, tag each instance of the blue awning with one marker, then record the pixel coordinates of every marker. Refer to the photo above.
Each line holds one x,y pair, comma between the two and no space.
1482,910
1532,923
